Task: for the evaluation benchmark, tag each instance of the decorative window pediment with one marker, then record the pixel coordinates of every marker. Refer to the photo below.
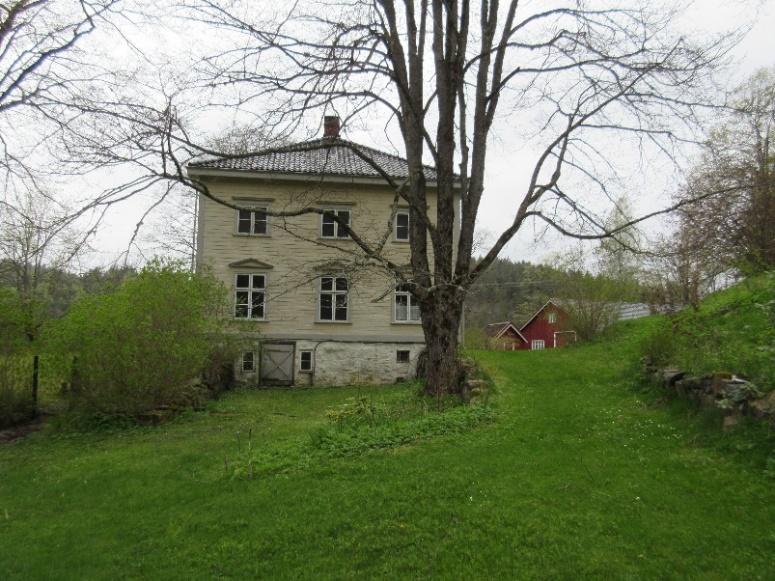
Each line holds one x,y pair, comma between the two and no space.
251,263
333,266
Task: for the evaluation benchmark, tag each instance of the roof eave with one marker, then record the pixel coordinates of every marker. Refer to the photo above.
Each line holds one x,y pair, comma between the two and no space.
511,326
291,177
538,312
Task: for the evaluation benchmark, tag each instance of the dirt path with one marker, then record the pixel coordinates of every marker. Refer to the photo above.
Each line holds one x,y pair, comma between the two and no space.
11,434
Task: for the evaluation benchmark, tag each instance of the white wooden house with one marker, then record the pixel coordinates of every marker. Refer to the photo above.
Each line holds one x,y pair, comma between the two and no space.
312,311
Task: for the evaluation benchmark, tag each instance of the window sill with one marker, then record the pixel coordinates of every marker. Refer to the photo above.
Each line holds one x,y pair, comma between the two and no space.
397,241
308,371
406,323
246,320
334,239
319,322
245,235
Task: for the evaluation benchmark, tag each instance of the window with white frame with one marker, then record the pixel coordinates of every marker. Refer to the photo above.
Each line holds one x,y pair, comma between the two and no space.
248,361
330,228
252,222
305,360
406,309
537,344
401,231
552,318
333,299
250,296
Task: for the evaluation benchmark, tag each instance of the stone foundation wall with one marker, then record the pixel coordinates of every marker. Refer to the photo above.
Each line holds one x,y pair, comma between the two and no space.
350,363
342,363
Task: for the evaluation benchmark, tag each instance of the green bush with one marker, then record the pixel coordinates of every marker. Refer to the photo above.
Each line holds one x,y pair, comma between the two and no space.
16,405
659,346
12,338
144,345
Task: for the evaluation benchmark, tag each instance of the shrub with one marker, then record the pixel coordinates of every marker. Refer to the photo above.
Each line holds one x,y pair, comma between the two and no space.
144,345
658,346
11,320
475,339
16,404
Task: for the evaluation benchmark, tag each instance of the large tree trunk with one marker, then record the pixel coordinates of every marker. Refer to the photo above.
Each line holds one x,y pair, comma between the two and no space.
441,323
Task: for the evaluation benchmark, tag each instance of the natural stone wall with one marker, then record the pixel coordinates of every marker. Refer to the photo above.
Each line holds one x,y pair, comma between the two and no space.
733,394
351,363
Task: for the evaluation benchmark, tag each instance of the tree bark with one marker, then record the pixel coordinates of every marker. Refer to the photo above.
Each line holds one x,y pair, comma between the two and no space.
441,317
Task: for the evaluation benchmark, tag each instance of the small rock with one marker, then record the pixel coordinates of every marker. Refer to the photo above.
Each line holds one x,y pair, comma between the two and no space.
739,390
716,384
670,376
687,385
730,421
764,407
476,384
705,399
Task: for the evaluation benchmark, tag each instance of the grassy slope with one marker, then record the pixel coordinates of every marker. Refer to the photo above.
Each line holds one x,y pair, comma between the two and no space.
732,331
578,477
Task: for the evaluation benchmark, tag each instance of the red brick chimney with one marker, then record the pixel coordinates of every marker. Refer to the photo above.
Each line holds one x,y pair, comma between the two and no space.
331,126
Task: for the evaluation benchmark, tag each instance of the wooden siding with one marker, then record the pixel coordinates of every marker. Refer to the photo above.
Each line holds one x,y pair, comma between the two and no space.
539,328
293,249
508,341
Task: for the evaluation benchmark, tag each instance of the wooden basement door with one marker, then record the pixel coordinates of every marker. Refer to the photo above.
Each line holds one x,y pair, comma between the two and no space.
277,364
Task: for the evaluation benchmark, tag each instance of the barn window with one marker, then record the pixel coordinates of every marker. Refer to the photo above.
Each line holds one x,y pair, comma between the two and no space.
330,228
333,303
552,317
402,226
402,356
250,296
248,361
406,308
537,344
305,361
252,222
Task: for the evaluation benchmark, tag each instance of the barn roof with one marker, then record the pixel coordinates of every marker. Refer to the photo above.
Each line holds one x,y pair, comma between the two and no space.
331,156
496,330
556,302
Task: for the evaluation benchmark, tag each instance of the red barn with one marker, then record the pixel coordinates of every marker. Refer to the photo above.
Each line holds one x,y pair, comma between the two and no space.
548,328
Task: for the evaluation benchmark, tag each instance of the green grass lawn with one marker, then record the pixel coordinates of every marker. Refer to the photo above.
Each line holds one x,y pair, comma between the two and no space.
579,475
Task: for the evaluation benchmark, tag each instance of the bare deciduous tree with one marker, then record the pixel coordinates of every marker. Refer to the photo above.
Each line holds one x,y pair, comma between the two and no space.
443,72
736,228
41,70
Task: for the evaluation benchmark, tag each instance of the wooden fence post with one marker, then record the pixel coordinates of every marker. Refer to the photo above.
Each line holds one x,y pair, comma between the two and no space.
35,376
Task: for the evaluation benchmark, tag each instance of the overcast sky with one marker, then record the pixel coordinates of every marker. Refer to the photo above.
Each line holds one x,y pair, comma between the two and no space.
510,155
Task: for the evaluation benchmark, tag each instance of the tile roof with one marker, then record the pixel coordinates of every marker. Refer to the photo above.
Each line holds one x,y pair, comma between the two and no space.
327,155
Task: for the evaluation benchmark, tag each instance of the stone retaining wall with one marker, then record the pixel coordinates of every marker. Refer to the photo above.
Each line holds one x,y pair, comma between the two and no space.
735,395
